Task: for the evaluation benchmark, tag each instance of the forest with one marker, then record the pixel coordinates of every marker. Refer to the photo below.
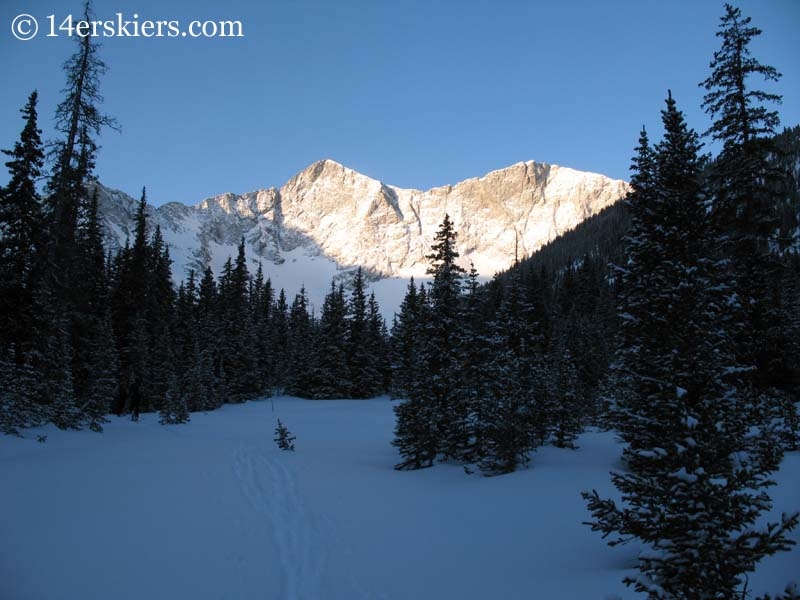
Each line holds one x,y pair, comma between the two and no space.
671,318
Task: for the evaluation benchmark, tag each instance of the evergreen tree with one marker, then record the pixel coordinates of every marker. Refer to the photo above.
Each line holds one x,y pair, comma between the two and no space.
77,118
365,380
21,225
283,438
513,415
748,189
569,412
434,419
475,386
405,341
300,344
262,298
697,470
328,375
128,302
238,336
95,353
174,410
158,319
207,368
280,341
378,339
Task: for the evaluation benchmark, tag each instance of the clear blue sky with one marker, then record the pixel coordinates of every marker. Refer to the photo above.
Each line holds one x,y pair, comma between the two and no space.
417,93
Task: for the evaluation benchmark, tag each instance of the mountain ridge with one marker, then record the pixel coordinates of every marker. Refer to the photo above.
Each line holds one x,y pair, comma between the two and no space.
330,211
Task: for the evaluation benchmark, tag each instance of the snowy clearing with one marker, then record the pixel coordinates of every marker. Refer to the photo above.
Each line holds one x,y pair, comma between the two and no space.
214,510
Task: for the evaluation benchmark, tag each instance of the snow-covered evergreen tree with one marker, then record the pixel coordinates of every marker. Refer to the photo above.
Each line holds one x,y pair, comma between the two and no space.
328,376
698,468
405,341
434,418
513,419
362,361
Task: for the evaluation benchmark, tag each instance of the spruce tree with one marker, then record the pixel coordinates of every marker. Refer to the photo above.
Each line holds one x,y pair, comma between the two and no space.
174,410
129,299
300,343
207,369
283,438
21,227
365,379
513,413
378,342
434,419
158,318
95,353
262,298
697,469
238,336
405,341
77,119
748,190
280,341
328,375
476,353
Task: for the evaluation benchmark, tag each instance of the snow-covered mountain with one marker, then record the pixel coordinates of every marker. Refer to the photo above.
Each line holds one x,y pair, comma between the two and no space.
329,218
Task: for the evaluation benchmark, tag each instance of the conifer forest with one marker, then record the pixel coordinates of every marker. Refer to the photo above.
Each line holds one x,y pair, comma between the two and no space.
672,318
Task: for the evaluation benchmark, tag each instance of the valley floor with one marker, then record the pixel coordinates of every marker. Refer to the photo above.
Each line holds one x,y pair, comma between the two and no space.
214,510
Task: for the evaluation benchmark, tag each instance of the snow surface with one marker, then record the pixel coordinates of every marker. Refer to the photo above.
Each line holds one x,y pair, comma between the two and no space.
214,510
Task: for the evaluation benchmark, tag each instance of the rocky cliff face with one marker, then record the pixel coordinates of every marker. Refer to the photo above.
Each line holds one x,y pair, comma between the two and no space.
331,211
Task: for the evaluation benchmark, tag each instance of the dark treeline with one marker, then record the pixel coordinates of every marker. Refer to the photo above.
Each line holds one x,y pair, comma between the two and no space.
84,333
493,371
672,318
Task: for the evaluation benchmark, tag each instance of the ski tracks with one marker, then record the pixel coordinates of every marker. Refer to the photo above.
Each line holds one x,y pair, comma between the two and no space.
271,489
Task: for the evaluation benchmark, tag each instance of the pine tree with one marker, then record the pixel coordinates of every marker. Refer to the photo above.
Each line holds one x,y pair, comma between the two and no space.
434,418
365,380
77,118
748,189
697,472
262,298
283,438
95,353
569,411
280,341
378,341
158,317
300,342
238,336
21,226
174,410
207,375
475,384
129,298
513,414
405,341
328,375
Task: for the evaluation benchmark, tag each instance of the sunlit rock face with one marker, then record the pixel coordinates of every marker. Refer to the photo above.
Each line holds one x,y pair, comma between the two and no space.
330,211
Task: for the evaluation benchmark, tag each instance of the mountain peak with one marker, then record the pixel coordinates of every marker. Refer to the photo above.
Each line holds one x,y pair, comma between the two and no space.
331,211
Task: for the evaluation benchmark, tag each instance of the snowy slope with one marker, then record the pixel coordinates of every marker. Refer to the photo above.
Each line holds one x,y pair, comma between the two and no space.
214,510
328,220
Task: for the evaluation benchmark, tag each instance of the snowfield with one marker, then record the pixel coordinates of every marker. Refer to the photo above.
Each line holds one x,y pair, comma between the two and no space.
214,510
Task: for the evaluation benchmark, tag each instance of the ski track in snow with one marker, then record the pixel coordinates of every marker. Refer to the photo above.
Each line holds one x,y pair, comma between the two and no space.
271,489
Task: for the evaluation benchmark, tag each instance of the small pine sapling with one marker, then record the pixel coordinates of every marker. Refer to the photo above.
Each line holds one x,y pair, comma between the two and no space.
284,438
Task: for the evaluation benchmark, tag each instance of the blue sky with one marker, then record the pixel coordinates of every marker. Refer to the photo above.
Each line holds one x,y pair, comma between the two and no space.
417,93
